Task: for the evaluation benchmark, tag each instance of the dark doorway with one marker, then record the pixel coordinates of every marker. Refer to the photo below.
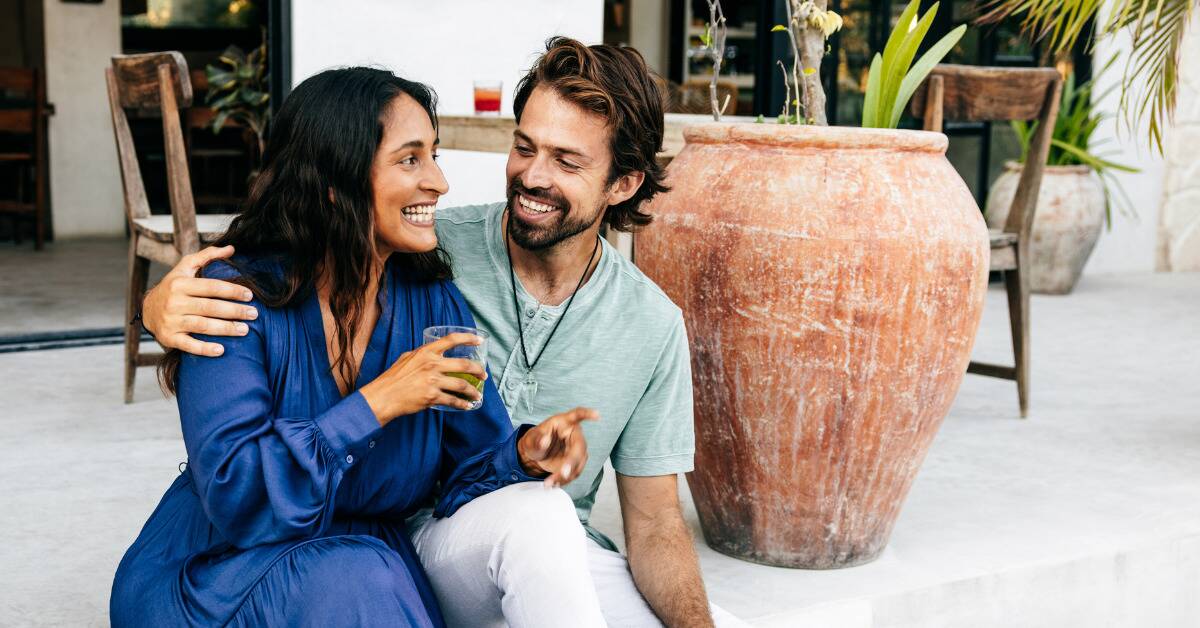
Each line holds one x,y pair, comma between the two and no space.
222,163
22,46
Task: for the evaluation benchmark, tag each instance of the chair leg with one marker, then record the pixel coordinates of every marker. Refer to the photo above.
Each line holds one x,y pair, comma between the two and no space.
1016,283
39,212
139,271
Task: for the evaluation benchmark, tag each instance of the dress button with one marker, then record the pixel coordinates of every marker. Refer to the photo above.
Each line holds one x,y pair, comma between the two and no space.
515,477
512,384
530,312
349,458
371,445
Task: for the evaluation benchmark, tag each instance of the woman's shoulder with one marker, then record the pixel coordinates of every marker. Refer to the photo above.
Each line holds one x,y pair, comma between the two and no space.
240,266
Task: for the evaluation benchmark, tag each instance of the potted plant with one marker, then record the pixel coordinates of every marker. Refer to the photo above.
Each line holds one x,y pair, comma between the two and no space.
238,92
1076,196
832,281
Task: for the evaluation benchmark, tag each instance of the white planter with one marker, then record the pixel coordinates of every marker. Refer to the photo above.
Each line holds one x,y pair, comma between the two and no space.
1069,219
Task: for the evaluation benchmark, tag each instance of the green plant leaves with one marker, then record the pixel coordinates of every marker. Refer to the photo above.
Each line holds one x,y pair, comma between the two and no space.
218,122
890,81
1088,159
922,68
233,56
871,98
219,79
1072,143
237,90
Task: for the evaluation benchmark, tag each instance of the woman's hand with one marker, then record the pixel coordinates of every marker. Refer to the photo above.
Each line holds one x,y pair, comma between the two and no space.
419,380
556,449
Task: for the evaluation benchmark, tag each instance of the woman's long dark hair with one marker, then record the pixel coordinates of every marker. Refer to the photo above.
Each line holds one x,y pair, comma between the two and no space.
310,209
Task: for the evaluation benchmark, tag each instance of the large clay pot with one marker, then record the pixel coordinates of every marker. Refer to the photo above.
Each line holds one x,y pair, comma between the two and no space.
832,281
1066,225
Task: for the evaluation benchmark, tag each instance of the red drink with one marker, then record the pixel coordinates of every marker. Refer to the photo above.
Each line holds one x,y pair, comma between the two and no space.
487,98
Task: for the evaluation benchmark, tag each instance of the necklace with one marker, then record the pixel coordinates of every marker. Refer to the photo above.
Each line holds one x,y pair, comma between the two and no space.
517,306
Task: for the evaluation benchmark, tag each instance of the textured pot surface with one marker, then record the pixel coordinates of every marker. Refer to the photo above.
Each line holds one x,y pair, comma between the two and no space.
1066,226
832,280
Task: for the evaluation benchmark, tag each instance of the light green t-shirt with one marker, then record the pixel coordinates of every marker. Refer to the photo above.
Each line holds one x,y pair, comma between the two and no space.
621,349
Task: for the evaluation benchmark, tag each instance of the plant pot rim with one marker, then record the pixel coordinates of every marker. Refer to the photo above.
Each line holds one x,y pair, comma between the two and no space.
1015,166
816,137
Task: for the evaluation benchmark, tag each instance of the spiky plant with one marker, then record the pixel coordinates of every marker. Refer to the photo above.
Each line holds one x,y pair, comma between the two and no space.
1072,143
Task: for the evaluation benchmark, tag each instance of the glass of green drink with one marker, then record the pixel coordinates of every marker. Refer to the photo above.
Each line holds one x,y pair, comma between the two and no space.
474,353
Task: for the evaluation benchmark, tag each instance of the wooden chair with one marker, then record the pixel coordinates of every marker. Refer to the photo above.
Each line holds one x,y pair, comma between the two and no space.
25,115
154,85
693,97
980,94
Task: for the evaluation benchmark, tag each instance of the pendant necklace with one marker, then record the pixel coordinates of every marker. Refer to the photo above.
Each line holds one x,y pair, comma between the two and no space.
517,306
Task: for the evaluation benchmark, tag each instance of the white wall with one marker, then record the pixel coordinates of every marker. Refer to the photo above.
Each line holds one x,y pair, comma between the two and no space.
446,44
1179,226
1131,245
85,182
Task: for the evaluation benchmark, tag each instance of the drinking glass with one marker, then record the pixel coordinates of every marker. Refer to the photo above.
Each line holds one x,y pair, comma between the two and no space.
475,353
487,98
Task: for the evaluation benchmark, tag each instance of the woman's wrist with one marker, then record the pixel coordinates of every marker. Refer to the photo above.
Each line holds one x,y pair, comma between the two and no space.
377,404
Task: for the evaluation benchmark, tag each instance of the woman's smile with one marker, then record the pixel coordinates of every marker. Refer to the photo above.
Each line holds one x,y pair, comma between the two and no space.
420,214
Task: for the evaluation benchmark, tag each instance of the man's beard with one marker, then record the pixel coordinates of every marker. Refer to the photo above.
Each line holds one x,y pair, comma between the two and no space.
543,236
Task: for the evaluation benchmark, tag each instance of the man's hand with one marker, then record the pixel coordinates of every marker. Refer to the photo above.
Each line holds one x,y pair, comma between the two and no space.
661,556
183,304
556,449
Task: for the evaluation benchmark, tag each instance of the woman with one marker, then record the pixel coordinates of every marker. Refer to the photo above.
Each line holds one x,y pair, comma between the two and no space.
312,439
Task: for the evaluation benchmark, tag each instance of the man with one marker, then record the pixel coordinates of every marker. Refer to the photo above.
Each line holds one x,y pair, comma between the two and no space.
573,323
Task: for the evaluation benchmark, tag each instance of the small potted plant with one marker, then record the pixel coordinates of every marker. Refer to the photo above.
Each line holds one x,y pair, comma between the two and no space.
832,281
1077,193
238,92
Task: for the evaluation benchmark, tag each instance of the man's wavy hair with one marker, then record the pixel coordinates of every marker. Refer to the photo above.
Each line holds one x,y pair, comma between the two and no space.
615,83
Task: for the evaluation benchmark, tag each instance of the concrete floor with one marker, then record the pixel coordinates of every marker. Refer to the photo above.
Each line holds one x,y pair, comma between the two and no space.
69,285
1086,514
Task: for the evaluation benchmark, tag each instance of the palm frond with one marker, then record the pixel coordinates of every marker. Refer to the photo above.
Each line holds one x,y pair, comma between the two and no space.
1150,80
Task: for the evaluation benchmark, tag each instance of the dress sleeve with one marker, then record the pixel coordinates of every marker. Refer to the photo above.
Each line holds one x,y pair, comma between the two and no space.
479,448
263,478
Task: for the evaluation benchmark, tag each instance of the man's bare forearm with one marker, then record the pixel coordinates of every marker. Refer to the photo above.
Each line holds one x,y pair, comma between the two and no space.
667,571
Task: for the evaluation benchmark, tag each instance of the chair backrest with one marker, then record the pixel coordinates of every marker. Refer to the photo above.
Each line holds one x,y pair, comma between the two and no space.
988,94
693,97
154,85
22,85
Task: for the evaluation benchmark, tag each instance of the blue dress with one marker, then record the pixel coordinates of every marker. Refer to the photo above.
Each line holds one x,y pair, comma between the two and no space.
291,508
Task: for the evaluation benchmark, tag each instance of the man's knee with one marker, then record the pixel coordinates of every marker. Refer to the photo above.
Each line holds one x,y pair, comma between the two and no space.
541,518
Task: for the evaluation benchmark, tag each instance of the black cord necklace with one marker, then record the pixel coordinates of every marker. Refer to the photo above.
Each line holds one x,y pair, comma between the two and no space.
517,306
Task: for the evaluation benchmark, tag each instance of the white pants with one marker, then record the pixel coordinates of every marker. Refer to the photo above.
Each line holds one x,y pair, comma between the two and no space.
515,557
519,557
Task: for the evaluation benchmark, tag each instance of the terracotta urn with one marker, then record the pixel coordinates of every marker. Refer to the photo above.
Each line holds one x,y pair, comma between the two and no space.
1066,224
832,281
